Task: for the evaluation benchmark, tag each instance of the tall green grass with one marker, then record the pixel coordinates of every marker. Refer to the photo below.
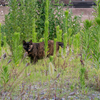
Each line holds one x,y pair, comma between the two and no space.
46,26
0,39
82,61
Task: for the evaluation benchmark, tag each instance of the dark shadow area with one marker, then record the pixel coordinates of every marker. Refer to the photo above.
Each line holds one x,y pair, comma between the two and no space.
83,4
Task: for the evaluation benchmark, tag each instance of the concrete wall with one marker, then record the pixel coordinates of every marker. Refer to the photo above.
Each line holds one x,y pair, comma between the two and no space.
4,2
67,1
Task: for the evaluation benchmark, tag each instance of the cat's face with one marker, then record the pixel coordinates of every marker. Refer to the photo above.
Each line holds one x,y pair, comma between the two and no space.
27,45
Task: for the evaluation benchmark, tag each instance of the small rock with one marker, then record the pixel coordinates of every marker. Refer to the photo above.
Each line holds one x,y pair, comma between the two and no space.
27,64
98,97
25,54
77,97
36,98
31,97
35,87
57,98
70,97
42,93
72,93
4,55
9,61
27,91
42,98
45,99
45,84
62,98
93,95
92,98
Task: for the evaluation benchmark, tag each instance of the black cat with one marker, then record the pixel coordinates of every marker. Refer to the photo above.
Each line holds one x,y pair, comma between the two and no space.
36,50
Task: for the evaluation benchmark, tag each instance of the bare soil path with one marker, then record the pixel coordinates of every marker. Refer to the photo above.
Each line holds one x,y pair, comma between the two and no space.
87,12
3,11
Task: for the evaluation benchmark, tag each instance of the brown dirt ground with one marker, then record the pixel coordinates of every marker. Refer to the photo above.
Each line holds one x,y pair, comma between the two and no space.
3,11
87,12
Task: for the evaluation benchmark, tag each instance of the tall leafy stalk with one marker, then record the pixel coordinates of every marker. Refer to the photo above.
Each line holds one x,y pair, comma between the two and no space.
82,78
51,66
0,40
20,19
5,46
46,26
65,36
59,34
55,40
33,31
69,35
66,21
65,42
17,48
76,43
98,39
86,39
4,75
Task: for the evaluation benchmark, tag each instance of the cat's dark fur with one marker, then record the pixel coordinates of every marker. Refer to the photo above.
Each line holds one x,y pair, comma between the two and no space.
36,50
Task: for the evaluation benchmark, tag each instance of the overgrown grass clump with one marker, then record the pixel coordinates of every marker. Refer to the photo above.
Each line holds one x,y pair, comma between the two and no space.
72,70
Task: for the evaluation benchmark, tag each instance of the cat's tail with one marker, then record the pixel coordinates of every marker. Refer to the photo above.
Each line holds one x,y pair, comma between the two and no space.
60,44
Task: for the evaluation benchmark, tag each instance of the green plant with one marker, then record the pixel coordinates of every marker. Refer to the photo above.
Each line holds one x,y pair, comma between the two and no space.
94,44
46,27
20,19
77,42
0,39
65,36
4,75
70,22
97,51
33,32
82,78
75,24
5,44
66,21
17,48
51,66
65,42
55,40
59,34
69,36
51,58
40,19
55,17
86,39
96,8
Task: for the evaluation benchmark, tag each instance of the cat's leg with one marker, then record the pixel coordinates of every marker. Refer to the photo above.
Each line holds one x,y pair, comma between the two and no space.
31,60
35,59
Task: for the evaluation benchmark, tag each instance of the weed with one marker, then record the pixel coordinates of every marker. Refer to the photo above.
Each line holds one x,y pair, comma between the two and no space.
58,76
46,27
4,75
82,78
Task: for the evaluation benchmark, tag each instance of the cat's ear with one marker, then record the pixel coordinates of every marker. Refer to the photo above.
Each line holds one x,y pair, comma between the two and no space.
24,42
30,42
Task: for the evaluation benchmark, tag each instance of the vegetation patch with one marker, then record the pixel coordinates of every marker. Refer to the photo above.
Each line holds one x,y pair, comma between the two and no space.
69,74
